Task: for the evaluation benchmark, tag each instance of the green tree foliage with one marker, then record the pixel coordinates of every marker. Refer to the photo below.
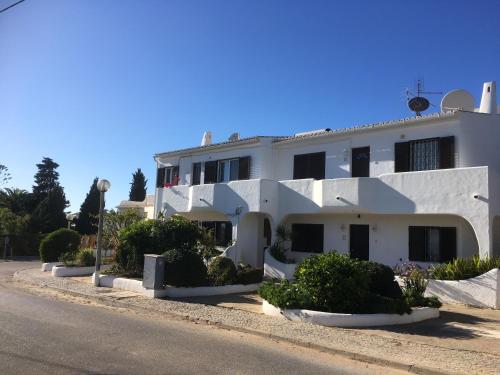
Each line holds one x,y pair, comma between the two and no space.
114,222
46,179
138,186
4,175
49,214
58,243
16,200
89,211
12,224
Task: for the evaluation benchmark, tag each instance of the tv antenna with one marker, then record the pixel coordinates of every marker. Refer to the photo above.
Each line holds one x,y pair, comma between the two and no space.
418,103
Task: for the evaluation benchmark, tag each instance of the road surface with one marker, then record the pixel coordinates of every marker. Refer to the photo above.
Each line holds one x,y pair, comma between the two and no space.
47,335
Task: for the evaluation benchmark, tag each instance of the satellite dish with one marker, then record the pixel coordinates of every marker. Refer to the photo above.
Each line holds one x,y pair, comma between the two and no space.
418,104
457,99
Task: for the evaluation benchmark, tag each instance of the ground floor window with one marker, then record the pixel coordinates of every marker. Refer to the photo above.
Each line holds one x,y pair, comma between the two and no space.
307,238
222,231
432,244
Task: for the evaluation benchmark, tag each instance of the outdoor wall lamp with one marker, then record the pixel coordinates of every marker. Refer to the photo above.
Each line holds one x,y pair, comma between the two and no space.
342,227
374,227
103,186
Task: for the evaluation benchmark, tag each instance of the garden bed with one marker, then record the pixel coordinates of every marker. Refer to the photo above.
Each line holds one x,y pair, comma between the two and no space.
350,320
47,267
132,285
480,291
274,269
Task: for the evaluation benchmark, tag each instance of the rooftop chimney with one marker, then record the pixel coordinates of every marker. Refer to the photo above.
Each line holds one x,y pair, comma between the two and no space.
207,138
489,98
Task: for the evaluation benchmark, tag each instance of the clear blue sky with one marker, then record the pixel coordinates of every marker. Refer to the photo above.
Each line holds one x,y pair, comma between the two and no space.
100,86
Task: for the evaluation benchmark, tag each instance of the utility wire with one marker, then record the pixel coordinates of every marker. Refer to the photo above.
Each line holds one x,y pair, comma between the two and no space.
11,6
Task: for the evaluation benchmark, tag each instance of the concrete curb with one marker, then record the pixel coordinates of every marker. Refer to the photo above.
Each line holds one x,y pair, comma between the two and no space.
113,302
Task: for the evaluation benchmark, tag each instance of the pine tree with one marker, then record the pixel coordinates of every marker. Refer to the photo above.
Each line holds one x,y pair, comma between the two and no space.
46,179
89,211
138,186
49,214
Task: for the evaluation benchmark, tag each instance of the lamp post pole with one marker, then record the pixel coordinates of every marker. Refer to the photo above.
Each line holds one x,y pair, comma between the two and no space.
102,186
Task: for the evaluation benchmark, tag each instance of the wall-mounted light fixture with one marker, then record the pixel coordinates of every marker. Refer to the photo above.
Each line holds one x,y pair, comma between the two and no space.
342,227
374,227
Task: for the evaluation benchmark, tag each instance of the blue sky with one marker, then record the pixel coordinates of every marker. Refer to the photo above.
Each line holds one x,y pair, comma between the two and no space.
100,86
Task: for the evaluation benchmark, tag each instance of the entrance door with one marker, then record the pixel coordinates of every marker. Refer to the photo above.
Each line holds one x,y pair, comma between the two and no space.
359,241
361,162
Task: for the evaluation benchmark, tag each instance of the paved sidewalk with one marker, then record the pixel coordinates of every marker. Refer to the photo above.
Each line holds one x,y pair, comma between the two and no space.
397,350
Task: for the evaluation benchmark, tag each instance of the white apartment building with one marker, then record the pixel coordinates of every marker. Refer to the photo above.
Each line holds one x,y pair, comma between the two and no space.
423,189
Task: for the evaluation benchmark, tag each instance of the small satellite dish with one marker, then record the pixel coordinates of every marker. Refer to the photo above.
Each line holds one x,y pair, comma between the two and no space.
418,104
457,99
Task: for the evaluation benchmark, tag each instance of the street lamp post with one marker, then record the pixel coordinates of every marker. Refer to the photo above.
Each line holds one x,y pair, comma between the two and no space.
103,186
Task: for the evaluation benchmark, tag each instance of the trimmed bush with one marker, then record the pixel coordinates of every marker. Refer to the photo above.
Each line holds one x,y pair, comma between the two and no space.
286,295
464,268
382,281
58,243
184,268
249,275
154,237
221,271
85,257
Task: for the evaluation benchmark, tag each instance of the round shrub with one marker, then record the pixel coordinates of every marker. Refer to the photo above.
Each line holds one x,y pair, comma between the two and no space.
335,282
58,243
221,271
382,281
184,268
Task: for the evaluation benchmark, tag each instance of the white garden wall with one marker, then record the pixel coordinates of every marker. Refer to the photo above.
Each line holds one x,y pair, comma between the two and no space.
275,269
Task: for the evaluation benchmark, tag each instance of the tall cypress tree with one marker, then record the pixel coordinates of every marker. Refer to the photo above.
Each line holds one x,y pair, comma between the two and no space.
89,211
138,186
46,178
49,213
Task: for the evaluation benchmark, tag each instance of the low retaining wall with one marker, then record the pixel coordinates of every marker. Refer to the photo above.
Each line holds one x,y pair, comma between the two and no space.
480,291
350,320
62,271
110,281
46,267
274,269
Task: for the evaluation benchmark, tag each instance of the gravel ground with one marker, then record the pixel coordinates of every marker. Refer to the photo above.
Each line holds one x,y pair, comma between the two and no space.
414,356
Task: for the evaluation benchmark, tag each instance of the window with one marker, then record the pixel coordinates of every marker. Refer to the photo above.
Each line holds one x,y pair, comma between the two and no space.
196,174
309,166
307,238
432,244
167,176
425,154
227,170
360,162
221,230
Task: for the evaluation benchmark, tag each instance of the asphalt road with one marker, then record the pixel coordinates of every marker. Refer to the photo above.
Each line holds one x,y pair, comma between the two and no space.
43,335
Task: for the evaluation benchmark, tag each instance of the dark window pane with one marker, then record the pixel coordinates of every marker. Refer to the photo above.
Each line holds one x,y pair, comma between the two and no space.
307,237
447,152
210,172
160,177
432,244
196,174
448,244
309,166
361,162
402,157
417,244
244,168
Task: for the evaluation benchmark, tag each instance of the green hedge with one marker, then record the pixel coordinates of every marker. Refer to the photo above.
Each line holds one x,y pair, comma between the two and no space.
184,268
221,271
58,243
336,283
154,237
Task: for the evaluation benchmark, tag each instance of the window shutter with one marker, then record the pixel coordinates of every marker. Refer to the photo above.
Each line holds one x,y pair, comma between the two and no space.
416,243
175,175
244,168
160,177
210,172
299,167
402,157
317,166
196,174
447,244
447,152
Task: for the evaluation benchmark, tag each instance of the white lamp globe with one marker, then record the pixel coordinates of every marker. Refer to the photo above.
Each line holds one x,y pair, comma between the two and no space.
103,185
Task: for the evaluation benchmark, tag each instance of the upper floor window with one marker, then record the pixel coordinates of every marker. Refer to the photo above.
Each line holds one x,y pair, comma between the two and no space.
167,176
309,166
360,163
425,154
196,174
432,244
226,170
